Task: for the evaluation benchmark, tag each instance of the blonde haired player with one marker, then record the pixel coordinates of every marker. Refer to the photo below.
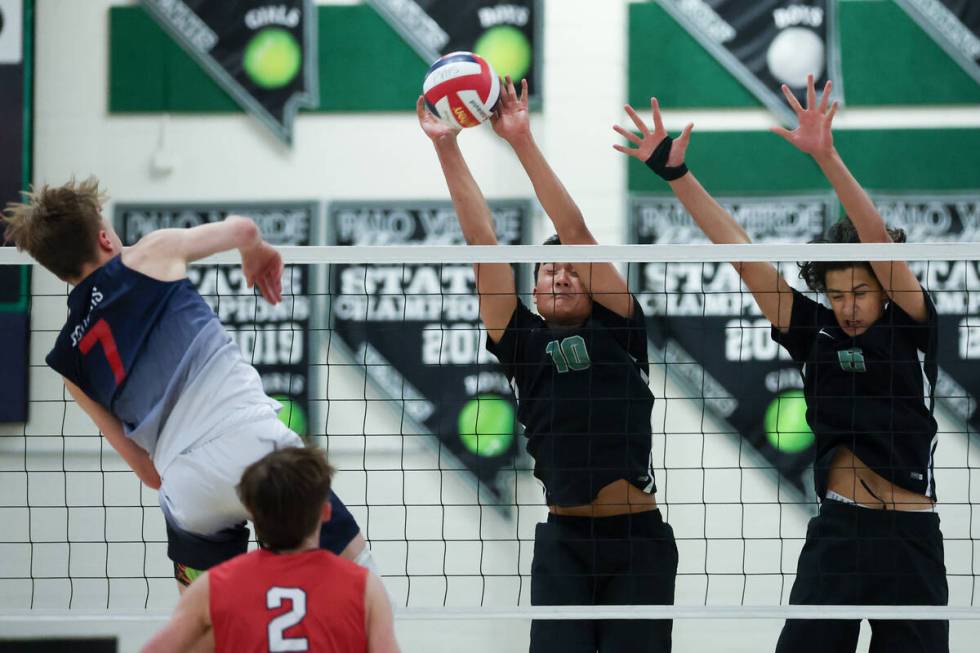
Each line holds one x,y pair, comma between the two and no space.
148,360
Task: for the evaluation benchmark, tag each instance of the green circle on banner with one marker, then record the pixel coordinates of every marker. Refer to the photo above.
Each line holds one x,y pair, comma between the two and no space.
785,423
507,50
272,58
292,415
486,425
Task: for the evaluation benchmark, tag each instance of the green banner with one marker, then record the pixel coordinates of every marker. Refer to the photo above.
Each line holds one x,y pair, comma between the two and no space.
263,55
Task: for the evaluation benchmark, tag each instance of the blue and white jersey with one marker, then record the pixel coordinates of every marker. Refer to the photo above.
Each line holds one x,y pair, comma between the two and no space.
155,355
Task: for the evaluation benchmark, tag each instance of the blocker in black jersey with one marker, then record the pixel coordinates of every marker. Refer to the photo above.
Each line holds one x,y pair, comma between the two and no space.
866,392
579,369
866,400
583,400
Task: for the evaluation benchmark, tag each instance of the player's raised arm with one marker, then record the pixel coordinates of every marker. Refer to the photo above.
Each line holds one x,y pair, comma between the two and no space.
511,122
494,281
189,623
164,254
814,136
665,156
137,459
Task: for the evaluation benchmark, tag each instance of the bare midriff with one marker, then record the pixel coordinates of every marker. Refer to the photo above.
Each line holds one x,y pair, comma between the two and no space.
851,478
618,498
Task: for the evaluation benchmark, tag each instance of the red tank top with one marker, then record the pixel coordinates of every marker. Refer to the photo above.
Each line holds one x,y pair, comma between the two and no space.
264,602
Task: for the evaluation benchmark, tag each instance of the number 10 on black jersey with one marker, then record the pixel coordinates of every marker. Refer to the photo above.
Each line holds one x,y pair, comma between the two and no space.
569,354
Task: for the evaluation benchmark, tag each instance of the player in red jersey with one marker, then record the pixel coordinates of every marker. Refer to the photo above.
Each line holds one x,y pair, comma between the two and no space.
289,595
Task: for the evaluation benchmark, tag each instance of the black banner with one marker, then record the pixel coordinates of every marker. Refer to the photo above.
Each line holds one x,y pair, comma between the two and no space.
705,326
954,286
416,328
15,110
767,43
275,339
262,52
954,25
505,33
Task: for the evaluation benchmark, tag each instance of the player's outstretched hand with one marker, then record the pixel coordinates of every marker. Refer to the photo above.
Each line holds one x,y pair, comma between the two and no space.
813,136
431,125
648,140
511,119
262,266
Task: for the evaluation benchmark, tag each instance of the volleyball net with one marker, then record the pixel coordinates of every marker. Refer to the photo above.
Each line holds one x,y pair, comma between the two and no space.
378,355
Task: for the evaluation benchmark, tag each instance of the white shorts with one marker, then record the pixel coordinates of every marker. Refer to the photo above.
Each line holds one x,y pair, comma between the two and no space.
197,490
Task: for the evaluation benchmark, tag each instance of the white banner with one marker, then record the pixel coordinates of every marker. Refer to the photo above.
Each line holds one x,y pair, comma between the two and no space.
11,31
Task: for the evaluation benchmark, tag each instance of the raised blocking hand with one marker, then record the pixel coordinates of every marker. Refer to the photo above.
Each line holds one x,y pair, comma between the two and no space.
648,141
511,118
813,135
431,125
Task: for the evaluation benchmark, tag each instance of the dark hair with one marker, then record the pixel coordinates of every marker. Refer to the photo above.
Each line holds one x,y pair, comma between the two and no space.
284,492
814,273
58,226
552,240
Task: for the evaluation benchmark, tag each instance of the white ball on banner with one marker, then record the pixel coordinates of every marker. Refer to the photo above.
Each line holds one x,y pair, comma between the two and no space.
795,53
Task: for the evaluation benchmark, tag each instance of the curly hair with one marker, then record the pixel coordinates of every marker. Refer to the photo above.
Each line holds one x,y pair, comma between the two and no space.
814,273
58,226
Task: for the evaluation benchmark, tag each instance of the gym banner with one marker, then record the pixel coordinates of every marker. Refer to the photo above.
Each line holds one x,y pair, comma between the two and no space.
954,25
767,43
275,339
15,22
416,328
262,52
504,32
954,286
705,326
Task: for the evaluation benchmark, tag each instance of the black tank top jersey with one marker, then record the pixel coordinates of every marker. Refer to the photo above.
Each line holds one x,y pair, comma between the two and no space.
583,399
866,392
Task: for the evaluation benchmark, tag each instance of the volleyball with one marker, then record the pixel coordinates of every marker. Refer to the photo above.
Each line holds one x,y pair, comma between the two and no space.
461,88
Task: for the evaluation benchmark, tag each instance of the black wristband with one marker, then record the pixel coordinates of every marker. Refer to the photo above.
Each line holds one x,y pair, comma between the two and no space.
671,173
658,162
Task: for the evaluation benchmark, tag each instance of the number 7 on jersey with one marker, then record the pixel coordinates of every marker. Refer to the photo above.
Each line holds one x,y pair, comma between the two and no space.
102,334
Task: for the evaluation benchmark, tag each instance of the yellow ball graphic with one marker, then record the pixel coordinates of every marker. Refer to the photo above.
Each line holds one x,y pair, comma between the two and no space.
507,50
785,423
272,58
486,425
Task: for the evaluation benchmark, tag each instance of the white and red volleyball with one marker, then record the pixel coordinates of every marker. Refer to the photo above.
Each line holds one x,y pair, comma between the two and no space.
461,88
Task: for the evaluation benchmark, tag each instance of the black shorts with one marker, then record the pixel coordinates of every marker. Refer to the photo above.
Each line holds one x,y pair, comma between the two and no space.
622,560
200,552
857,556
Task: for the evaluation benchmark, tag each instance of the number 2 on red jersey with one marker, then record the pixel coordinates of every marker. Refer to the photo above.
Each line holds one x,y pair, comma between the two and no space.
278,642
